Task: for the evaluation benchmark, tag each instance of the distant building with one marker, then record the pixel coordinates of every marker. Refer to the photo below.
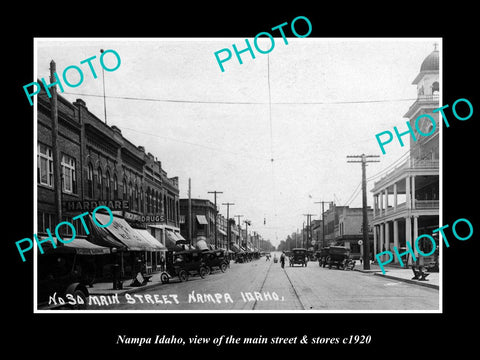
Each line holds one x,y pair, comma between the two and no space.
202,221
344,227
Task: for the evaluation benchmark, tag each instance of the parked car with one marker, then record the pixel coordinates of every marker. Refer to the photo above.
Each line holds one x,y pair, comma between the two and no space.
65,273
215,259
183,264
339,256
322,255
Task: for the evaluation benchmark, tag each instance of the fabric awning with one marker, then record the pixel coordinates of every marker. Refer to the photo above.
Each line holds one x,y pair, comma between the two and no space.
78,246
170,239
125,233
179,236
150,239
202,220
222,232
101,236
236,248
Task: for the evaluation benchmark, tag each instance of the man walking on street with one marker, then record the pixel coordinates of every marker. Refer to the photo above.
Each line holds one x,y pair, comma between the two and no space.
282,259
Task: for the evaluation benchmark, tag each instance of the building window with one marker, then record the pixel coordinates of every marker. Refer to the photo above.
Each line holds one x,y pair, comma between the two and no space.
100,183
69,183
45,165
130,193
148,200
107,185
45,221
137,198
124,189
115,187
90,181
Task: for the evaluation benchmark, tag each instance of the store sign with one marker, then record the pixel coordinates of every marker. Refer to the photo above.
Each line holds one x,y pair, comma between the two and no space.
92,204
143,218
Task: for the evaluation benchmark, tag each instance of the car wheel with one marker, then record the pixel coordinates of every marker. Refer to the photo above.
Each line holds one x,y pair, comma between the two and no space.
164,278
182,275
209,270
223,267
203,272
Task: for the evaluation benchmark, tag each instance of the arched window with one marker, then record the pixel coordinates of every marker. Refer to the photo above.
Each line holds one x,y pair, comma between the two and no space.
107,185
90,181
137,197
130,193
124,197
435,88
100,183
115,187
165,213
147,199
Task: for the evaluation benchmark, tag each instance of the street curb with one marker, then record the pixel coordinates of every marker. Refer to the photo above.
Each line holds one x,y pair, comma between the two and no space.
415,282
124,291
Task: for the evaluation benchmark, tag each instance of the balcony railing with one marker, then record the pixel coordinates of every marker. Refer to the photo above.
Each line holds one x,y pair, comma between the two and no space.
427,204
425,164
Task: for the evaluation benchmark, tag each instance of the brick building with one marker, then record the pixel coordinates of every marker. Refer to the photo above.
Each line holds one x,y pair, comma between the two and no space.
100,166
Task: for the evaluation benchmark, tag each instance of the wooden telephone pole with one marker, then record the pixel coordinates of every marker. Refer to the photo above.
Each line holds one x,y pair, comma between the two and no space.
323,220
366,243
228,224
216,213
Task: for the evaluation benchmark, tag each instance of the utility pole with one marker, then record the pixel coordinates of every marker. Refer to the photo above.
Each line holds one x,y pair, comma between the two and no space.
238,225
366,244
247,222
228,223
190,211
57,174
216,213
104,100
323,220
309,228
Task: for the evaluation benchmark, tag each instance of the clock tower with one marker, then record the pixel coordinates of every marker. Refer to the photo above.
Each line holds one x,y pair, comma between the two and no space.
428,88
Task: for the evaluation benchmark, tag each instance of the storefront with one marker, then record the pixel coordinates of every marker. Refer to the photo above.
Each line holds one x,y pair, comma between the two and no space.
140,248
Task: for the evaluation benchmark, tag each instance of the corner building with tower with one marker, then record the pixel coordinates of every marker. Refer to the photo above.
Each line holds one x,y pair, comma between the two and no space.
406,201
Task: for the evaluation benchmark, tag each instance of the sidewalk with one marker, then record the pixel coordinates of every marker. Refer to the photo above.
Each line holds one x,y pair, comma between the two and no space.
106,288
401,273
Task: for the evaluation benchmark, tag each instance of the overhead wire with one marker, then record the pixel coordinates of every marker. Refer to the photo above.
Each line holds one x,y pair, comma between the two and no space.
342,102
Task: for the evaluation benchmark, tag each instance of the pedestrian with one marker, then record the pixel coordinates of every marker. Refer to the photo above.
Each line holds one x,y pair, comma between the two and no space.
162,263
282,259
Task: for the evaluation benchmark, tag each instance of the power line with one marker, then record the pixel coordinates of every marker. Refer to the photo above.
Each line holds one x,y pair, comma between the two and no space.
242,102
196,144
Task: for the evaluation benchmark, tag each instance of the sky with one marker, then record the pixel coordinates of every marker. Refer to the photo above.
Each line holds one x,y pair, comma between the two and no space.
306,105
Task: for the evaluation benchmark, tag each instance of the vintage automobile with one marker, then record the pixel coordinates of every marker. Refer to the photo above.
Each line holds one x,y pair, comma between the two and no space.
183,264
298,256
65,273
322,255
339,256
215,259
275,258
